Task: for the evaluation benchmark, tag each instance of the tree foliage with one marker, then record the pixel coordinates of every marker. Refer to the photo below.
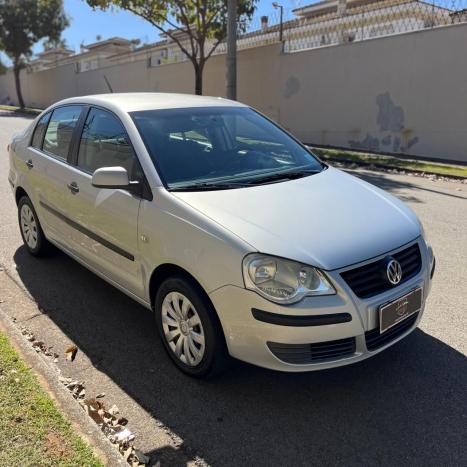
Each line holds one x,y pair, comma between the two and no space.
196,26
25,22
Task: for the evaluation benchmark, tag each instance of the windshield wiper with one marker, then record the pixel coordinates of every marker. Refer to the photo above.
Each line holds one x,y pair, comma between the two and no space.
228,185
205,186
292,175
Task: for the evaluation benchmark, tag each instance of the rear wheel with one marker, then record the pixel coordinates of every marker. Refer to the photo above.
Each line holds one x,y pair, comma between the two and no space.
30,228
189,329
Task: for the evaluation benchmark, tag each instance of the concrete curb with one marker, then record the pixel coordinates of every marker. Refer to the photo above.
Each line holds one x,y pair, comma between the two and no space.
48,378
25,113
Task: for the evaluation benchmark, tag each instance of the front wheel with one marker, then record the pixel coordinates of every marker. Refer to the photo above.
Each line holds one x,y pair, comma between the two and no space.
189,329
30,227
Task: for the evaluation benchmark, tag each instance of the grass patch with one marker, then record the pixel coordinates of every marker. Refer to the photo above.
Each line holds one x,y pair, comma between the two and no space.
32,430
26,110
391,162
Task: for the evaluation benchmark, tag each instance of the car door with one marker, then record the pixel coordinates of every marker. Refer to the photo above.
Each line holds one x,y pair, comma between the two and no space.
48,171
105,221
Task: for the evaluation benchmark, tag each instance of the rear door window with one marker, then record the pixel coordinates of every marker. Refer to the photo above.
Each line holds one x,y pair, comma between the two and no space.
59,132
39,131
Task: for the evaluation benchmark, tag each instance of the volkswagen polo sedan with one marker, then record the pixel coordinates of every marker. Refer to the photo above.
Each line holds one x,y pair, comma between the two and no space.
241,241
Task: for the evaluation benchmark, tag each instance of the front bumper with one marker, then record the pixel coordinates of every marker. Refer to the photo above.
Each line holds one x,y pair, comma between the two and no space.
281,346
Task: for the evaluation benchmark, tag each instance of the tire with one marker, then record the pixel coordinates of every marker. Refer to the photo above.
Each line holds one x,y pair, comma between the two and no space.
30,228
212,358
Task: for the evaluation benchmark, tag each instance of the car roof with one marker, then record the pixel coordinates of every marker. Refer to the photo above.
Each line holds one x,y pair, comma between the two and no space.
135,101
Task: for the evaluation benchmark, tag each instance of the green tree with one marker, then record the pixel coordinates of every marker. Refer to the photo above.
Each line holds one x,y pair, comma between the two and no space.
196,26
22,24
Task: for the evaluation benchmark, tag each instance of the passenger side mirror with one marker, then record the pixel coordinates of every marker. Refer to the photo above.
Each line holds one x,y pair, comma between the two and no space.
110,177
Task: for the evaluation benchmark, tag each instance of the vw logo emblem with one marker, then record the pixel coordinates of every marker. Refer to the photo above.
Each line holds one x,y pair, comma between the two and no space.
394,271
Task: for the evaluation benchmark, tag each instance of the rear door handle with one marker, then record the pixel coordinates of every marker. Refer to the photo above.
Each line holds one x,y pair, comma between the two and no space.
73,187
29,164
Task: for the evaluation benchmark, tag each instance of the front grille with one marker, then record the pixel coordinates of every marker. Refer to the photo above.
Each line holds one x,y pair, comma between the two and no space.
375,340
369,280
313,353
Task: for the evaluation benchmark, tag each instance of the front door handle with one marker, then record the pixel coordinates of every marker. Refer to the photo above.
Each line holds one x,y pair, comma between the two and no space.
73,187
29,164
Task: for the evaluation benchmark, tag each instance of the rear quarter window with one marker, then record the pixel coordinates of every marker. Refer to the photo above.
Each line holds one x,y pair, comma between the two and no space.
39,131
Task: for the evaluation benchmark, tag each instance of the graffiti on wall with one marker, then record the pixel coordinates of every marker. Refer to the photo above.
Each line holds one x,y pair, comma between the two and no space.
394,135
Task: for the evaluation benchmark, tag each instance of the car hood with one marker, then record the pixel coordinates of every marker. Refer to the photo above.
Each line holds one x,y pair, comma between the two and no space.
329,220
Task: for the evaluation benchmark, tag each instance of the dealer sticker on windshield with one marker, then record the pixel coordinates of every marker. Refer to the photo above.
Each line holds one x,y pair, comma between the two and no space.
396,311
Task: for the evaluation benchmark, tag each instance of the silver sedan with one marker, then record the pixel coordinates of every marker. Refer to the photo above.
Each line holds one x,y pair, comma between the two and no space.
240,240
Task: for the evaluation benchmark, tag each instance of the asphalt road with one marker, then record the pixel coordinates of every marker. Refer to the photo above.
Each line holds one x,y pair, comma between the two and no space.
406,406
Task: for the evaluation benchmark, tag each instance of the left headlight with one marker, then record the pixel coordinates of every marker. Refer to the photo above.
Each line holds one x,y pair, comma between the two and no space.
283,281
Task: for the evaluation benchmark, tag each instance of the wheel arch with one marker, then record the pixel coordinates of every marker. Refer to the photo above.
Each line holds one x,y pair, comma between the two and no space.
166,270
19,193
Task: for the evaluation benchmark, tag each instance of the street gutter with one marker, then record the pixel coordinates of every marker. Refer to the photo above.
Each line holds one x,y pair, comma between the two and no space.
47,376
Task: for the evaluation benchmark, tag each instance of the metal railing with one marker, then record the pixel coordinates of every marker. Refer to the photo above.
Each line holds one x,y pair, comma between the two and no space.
339,21
323,23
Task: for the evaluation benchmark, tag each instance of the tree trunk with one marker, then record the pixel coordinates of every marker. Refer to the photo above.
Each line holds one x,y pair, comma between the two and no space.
16,72
199,79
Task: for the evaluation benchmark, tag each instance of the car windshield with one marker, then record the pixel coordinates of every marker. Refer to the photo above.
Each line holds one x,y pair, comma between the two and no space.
220,147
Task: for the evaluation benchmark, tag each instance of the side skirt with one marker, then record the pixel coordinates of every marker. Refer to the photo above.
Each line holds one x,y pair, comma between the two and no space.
141,301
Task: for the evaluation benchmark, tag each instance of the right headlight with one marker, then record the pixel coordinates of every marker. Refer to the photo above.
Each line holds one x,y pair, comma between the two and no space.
283,281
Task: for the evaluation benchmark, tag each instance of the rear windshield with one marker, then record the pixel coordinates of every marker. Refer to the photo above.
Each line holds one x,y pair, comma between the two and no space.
219,145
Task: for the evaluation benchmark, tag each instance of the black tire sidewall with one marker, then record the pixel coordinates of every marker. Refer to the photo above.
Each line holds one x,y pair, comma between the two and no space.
41,241
215,354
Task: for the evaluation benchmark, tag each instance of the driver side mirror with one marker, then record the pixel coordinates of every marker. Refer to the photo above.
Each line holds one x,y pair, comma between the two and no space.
117,178
110,177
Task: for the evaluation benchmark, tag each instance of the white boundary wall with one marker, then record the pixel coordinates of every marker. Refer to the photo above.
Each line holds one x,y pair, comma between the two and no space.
402,94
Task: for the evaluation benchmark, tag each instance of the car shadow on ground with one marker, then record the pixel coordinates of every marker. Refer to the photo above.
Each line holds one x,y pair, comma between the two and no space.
405,406
400,188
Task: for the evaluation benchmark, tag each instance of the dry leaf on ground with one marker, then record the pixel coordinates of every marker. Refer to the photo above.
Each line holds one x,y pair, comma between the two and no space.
114,410
71,352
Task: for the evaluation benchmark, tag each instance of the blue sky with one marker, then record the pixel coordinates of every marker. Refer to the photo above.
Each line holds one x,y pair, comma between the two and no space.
86,24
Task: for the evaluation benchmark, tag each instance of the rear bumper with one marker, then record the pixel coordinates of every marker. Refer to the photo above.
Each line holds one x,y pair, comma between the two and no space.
317,333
